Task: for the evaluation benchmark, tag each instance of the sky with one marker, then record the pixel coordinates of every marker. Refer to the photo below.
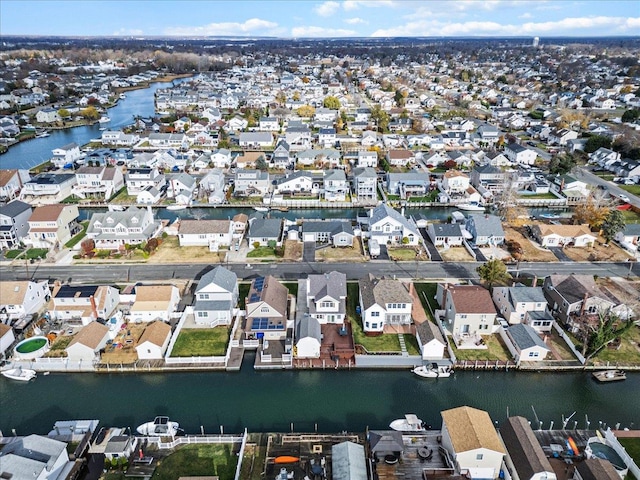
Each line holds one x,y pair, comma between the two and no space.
332,18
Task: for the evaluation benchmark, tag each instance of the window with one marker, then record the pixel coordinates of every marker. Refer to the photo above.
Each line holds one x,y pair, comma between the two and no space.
533,354
264,310
366,324
326,304
375,314
479,456
374,325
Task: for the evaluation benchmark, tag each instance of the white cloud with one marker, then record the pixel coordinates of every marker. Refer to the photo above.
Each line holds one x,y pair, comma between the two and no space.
312,31
355,4
327,9
525,16
255,26
125,32
426,27
355,21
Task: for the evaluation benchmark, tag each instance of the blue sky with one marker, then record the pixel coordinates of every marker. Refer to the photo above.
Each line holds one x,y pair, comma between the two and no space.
334,18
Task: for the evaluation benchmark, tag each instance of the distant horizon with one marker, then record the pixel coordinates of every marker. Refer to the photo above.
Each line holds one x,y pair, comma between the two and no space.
331,19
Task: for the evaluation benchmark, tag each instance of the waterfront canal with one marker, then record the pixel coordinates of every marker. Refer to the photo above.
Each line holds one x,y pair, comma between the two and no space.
332,400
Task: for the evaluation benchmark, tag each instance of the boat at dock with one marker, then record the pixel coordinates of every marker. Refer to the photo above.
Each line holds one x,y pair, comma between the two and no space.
161,426
261,209
410,423
104,119
470,207
549,216
433,371
610,375
177,206
19,373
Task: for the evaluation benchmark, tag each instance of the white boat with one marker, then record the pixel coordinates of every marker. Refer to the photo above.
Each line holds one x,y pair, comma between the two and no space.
104,119
610,375
19,373
261,209
177,206
433,371
122,96
410,423
43,135
161,426
470,207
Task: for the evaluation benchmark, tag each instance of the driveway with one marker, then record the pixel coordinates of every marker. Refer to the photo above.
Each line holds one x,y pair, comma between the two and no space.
428,244
560,255
309,252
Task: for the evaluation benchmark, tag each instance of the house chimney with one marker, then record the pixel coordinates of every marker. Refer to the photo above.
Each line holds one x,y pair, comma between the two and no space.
583,307
94,309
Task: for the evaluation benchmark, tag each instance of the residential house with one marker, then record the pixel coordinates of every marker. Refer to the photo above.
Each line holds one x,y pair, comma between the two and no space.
221,158
327,137
485,229
525,455
48,188
336,187
321,157
170,140
430,340
337,232
497,159
604,157
308,337
300,181
11,183
205,233
264,230
7,339
369,138
47,115
468,310
18,299
526,343
101,182
348,461
51,226
181,188
367,158
629,237
561,137
154,341
281,157
487,135
114,230
14,223
66,155
408,184
251,183
489,177
239,225
81,305
327,297
213,184
523,305
383,301
400,158
154,302
471,440
87,343
388,226
237,124
595,469
571,297
267,306
455,182
255,139
216,297
116,137
34,457
550,235
445,234
269,124
325,115
519,154
298,137
139,179
365,184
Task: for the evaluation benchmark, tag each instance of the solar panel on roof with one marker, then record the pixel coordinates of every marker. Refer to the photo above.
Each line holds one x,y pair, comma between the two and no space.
260,323
254,297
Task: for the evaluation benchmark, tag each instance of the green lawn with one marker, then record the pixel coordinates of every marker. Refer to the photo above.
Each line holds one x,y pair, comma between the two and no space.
201,342
632,189
496,351
632,446
427,293
402,254
198,460
627,354
630,216
412,344
36,253
432,197
13,253
292,287
541,196
79,236
261,252
604,176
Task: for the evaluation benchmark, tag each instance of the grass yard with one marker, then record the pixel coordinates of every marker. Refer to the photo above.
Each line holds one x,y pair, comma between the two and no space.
342,254
253,461
632,189
57,348
531,252
292,287
427,293
630,216
123,198
627,354
632,446
412,344
540,196
198,460
243,291
11,254
455,254
36,253
404,254
79,236
261,252
201,342
170,251
560,346
496,351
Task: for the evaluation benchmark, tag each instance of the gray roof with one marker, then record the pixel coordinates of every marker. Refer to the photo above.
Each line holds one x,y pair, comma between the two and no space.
523,447
527,295
256,137
382,291
13,209
385,441
335,174
446,229
219,276
212,306
383,211
332,284
117,444
295,175
428,331
348,461
515,147
525,336
33,447
307,326
265,228
364,172
486,225
487,168
419,177
185,179
333,227
132,217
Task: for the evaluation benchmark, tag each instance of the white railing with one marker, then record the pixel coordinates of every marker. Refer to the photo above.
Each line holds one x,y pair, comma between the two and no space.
241,455
613,442
197,439
569,343
187,311
184,360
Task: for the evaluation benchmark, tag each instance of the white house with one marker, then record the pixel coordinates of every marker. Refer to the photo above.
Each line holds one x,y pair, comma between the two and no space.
154,341
66,154
83,304
48,188
308,337
88,342
430,340
327,296
21,298
468,310
526,343
139,179
387,225
336,187
519,154
205,233
563,235
47,115
468,435
216,297
114,230
367,158
7,338
383,302
523,305
455,182
154,302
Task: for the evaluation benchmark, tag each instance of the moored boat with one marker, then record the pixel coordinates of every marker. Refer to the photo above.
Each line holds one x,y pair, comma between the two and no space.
470,207
433,371
410,423
261,209
610,375
161,426
177,206
19,373
104,119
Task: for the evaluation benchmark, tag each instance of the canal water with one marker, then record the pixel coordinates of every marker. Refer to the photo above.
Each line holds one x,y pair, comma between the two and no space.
326,401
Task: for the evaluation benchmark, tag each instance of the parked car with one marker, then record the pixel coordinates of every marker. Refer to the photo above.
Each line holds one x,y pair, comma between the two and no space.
624,198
